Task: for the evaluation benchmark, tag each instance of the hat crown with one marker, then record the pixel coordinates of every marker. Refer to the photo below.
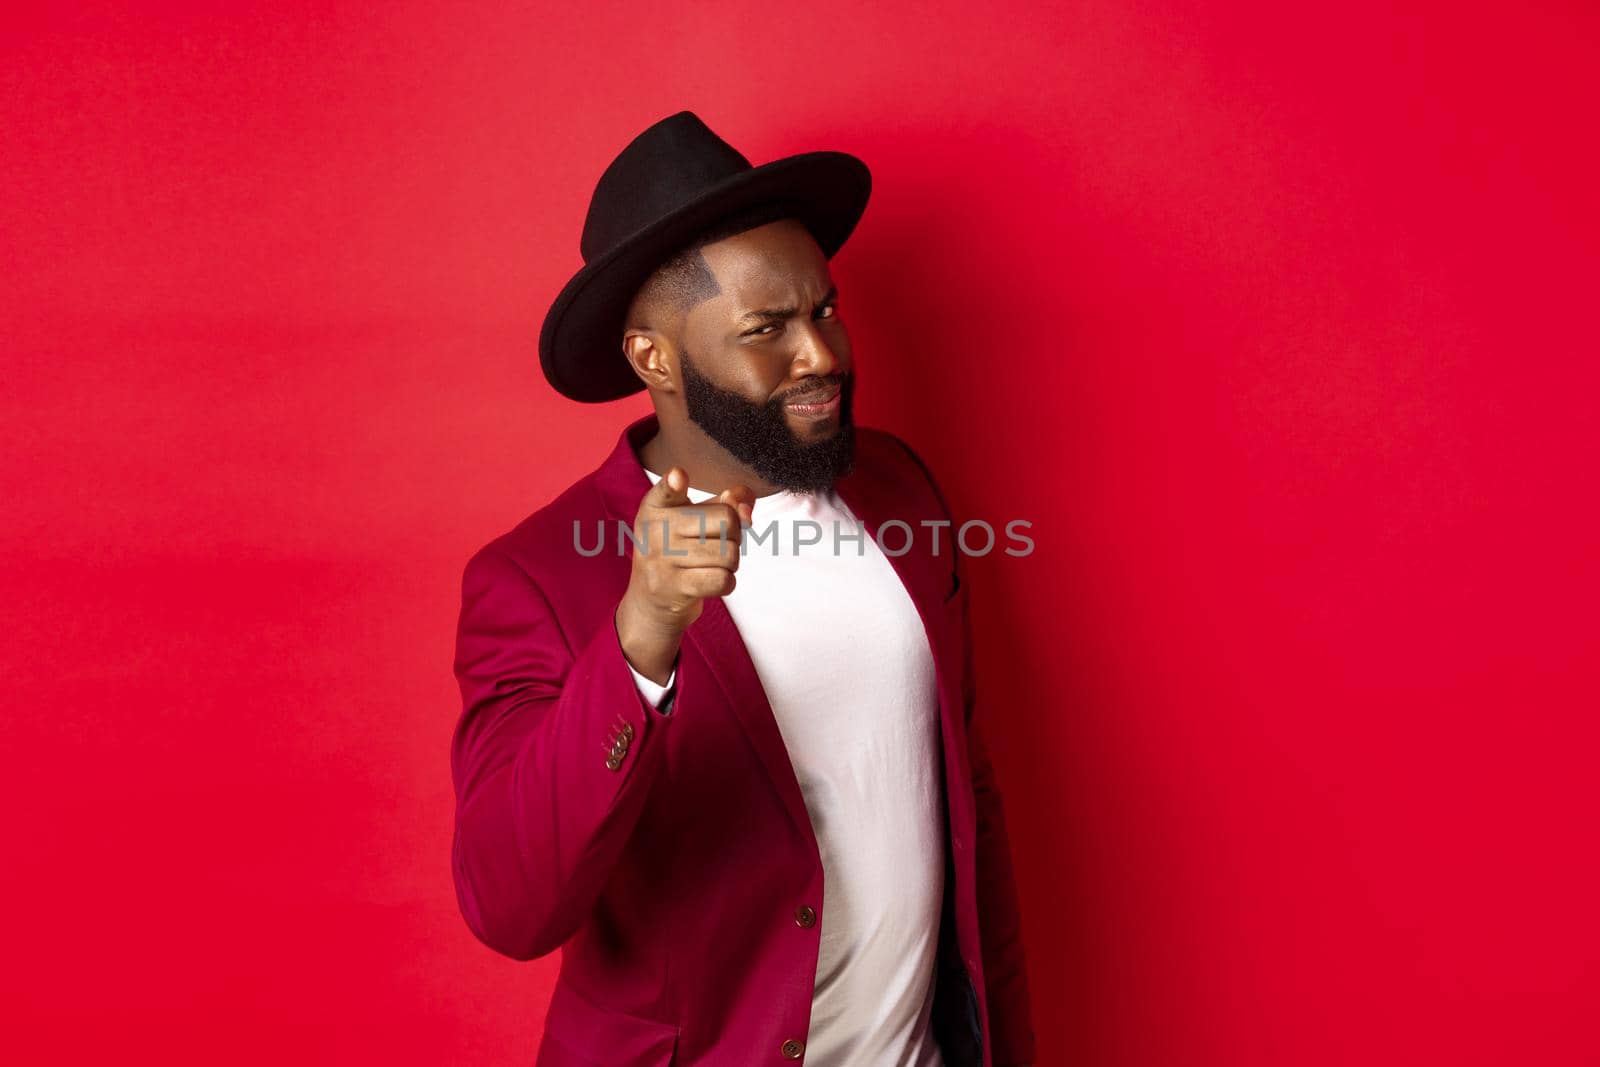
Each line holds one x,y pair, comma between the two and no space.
665,167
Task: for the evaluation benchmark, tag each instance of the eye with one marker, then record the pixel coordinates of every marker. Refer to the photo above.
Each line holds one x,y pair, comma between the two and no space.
760,331
831,308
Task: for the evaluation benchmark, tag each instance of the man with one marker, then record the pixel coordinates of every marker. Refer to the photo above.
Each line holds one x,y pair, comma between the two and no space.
727,763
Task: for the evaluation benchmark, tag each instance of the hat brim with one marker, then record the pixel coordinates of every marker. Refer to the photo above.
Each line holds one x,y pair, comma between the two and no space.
580,344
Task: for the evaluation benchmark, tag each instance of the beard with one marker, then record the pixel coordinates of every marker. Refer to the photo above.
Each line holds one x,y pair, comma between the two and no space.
758,435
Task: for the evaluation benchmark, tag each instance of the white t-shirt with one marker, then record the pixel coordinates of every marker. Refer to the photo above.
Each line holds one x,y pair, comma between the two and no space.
842,654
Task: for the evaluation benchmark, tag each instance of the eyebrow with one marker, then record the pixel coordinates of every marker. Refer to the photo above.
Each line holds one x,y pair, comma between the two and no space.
779,314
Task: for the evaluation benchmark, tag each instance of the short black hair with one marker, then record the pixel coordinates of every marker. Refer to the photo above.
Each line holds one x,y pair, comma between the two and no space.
684,280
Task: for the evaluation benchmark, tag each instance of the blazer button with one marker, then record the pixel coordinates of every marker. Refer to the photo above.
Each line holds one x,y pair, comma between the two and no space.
627,730
804,916
613,762
792,1049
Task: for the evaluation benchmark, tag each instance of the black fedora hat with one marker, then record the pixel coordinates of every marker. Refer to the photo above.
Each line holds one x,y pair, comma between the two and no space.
669,183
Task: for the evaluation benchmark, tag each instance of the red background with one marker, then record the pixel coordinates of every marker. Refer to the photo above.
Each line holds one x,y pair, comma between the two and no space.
1277,324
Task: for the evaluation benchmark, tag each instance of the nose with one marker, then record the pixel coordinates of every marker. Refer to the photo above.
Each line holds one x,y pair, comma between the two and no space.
815,357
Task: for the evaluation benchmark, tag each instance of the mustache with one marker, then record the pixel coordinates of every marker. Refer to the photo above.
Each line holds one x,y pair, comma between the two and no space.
811,396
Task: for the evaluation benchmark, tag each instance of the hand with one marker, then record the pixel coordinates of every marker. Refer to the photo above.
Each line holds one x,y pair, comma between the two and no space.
684,552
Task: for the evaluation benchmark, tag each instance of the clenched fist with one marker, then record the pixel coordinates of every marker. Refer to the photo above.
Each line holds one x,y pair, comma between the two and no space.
683,553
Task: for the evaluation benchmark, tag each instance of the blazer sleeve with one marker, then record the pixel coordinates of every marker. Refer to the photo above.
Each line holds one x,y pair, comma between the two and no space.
999,915
552,761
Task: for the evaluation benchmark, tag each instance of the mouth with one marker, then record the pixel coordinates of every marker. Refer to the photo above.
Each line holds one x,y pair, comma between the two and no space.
816,407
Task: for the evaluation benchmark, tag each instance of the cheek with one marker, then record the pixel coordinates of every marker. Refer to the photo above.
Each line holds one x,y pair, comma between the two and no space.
755,379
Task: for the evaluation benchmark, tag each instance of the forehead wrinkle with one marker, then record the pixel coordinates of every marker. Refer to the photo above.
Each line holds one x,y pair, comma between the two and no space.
775,298
761,285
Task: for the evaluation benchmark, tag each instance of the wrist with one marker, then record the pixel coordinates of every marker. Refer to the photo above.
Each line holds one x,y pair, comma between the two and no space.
649,646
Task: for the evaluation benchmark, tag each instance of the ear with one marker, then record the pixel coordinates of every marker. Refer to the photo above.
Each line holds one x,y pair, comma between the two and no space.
651,357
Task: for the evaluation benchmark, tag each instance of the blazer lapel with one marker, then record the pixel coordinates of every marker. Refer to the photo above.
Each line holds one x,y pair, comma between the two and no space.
715,637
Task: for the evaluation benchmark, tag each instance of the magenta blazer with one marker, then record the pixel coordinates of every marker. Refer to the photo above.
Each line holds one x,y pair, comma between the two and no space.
671,856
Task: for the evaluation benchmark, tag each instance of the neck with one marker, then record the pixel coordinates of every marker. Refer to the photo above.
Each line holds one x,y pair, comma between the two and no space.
708,464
